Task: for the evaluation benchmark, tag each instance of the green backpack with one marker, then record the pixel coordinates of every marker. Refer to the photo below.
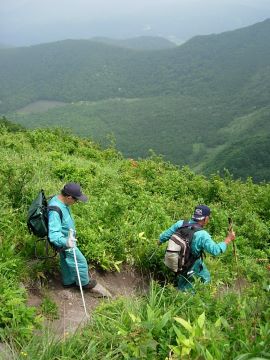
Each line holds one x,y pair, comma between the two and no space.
37,220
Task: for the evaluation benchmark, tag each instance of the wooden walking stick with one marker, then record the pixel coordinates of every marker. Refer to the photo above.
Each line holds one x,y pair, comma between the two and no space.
235,256
234,248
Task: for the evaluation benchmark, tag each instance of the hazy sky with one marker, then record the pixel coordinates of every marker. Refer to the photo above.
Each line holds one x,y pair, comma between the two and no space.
25,22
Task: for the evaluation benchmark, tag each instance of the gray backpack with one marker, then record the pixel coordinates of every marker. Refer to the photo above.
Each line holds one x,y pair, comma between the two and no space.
178,256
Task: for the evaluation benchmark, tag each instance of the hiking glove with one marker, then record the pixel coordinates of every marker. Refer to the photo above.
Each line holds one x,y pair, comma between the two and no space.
71,241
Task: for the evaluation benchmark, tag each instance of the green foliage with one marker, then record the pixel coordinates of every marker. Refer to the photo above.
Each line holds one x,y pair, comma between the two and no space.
9,126
49,308
198,341
204,103
249,155
72,71
167,324
17,320
225,141
131,203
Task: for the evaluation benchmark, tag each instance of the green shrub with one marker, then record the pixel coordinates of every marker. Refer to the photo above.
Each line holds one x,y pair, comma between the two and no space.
131,203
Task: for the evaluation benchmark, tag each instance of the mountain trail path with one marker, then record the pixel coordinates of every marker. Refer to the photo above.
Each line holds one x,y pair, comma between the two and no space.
71,313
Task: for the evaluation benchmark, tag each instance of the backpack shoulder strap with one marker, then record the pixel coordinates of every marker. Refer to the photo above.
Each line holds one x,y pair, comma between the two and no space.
184,225
57,209
192,226
196,227
187,230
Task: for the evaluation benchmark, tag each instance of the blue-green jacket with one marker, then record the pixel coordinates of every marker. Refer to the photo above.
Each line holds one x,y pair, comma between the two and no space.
202,241
58,231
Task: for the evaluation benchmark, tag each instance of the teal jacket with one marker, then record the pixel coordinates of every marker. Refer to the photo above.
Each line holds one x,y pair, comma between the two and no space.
58,231
202,241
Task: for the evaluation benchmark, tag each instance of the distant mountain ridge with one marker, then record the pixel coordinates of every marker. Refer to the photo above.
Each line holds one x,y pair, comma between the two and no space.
138,43
5,46
174,101
74,70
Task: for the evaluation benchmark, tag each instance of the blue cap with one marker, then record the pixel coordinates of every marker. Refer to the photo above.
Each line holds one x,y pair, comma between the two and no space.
74,190
200,212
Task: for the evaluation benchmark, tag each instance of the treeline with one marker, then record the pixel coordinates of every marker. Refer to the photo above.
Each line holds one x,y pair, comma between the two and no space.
226,65
207,143
183,103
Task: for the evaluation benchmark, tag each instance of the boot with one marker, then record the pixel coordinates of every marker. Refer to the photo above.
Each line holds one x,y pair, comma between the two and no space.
100,291
92,283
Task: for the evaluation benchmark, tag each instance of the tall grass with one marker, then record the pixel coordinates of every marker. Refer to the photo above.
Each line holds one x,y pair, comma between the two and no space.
131,202
165,324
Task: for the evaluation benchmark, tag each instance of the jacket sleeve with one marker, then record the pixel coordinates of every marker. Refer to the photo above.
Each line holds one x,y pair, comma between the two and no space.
168,233
55,230
206,243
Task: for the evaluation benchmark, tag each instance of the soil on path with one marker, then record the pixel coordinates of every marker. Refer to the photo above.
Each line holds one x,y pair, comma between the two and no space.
69,301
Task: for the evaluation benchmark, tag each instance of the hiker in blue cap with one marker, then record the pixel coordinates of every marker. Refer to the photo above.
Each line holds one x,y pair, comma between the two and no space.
201,242
59,236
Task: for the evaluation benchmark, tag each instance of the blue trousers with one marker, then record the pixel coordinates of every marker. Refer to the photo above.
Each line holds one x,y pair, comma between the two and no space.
68,267
199,270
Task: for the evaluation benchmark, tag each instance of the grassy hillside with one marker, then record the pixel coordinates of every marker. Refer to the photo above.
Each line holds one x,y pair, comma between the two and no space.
173,101
131,202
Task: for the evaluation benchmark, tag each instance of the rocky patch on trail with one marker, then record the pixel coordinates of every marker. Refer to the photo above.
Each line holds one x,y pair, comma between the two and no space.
71,313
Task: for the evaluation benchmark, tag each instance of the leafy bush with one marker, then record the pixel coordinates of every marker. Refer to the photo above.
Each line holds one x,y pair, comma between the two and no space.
17,320
131,203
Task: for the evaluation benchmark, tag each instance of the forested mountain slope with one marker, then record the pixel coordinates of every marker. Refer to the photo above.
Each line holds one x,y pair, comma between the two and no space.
178,99
138,43
74,70
248,147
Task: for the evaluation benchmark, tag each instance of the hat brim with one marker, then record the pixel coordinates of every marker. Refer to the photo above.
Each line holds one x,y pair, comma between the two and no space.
82,198
198,217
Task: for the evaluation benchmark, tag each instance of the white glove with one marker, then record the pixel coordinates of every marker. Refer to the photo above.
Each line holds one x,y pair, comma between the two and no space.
71,241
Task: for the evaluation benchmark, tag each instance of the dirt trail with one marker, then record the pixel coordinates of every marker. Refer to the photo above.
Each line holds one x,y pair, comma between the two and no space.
69,301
